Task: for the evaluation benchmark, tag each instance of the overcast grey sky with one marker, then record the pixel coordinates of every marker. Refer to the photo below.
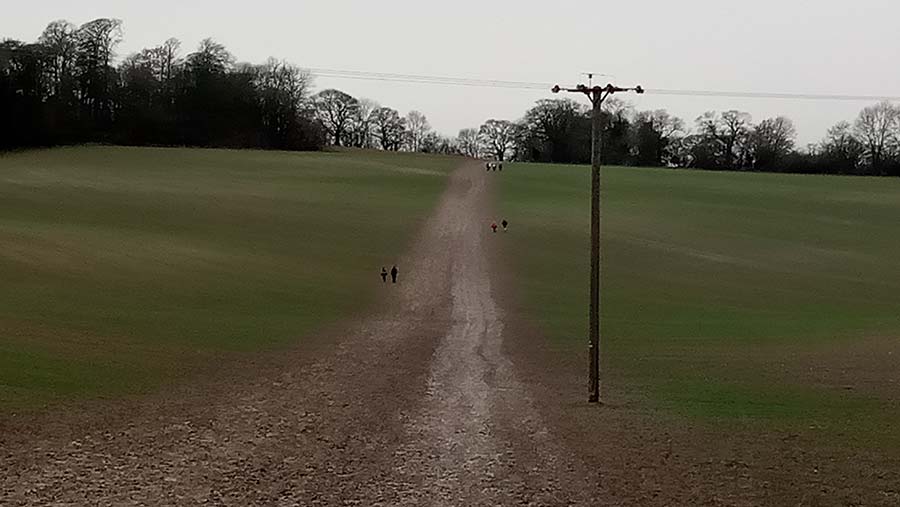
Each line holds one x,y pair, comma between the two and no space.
804,46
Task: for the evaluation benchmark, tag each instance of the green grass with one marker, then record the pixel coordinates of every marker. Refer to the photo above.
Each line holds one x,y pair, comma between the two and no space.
713,283
119,262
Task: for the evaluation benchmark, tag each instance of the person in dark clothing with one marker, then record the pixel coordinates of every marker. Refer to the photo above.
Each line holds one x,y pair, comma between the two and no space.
505,225
494,226
394,273
384,274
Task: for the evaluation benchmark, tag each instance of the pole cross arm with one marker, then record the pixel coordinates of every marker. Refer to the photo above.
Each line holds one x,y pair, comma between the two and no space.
609,89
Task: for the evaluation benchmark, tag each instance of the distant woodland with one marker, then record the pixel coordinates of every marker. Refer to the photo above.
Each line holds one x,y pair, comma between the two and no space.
69,87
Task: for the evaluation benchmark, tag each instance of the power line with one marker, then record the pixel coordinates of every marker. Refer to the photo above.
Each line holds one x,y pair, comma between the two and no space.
523,85
413,78
771,95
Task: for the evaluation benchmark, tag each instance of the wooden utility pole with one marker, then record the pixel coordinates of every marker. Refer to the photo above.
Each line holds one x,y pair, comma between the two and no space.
597,94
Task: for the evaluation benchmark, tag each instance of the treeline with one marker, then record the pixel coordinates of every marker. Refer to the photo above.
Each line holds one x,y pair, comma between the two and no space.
65,88
559,131
363,123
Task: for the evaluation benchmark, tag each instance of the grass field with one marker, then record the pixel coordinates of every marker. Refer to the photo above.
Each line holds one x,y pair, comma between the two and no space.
117,263
761,298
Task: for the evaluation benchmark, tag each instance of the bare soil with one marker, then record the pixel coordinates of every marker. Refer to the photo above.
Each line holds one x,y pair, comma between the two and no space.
438,398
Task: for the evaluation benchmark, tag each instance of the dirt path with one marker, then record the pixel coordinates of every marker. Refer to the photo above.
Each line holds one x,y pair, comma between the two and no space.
477,438
417,405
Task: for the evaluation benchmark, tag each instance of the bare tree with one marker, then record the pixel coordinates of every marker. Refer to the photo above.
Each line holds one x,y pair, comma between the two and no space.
617,109
283,89
877,126
160,61
336,110
167,58
723,141
436,143
556,130
521,141
469,143
771,141
417,128
362,124
96,42
499,138
60,41
737,127
654,135
389,128
684,150
706,148
708,124
841,151
666,124
210,58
